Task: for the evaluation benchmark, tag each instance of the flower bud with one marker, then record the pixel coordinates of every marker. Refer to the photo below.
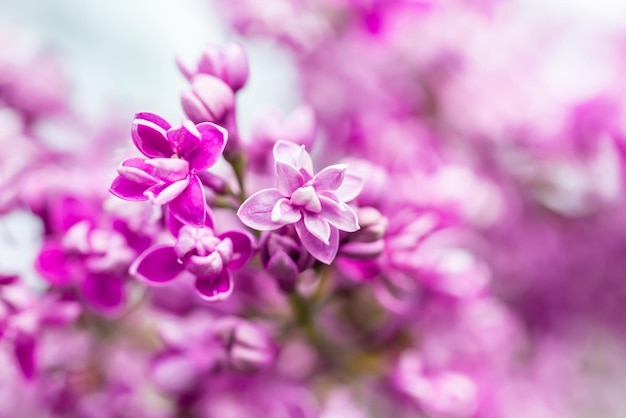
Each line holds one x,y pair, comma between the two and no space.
284,257
209,100
247,346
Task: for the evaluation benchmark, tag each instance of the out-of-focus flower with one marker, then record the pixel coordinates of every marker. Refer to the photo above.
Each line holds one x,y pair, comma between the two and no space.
228,64
169,176
313,202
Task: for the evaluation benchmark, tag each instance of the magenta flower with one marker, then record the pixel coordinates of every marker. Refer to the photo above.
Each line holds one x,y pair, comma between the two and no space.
201,253
314,203
169,176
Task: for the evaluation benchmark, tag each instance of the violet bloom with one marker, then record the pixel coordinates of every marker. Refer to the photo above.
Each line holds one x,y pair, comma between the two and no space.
169,176
198,251
314,203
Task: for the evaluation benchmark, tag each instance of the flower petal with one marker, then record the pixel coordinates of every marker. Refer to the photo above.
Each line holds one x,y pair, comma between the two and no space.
294,155
289,179
104,292
324,253
283,213
168,169
317,226
256,211
151,139
161,195
174,225
137,171
185,138
211,146
330,178
243,248
284,269
208,266
128,190
156,265
339,215
350,187
52,263
154,118
189,206
215,289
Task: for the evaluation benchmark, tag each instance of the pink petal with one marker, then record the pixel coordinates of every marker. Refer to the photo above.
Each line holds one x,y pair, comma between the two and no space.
157,265
215,289
154,118
211,146
136,170
283,213
128,190
256,211
53,264
104,292
169,169
189,206
317,226
243,248
350,188
294,155
330,178
151,139
324,253
289,179
205,266
339,215
162,195
185,138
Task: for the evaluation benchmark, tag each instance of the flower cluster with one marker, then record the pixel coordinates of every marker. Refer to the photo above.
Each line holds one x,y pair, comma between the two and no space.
432,232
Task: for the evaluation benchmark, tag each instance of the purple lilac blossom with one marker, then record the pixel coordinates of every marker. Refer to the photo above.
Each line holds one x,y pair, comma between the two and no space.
169,176
313,202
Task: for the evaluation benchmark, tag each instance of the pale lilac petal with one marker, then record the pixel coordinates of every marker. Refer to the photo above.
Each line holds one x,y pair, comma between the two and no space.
215,289
151,139
350,188
185,138
243,248
211,146
284,213
289,179
169,169
163,195
306,197
205,266
154,118
330,178
256,211
157,265
317,226
104,292
189,207
294,155
339,215
324,253
286,152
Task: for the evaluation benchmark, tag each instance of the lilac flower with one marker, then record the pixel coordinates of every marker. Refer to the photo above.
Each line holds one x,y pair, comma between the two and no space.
201,253
169,176
229,64
314,203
